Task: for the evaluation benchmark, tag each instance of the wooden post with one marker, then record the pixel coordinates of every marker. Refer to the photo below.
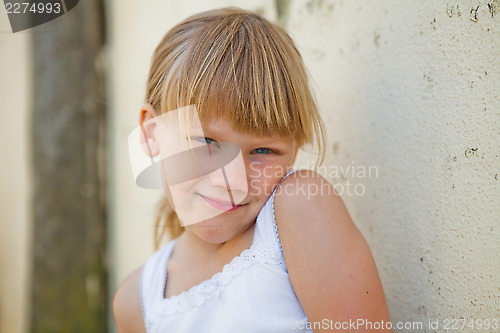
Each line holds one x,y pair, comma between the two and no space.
68,161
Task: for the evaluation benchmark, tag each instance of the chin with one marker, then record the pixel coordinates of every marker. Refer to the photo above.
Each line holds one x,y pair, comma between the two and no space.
211,231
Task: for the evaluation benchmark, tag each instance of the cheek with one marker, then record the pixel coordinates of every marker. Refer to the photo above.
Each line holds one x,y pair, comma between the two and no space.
178,195
264,177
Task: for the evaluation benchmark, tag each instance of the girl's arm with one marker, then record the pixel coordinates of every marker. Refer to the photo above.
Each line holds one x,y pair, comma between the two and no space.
127,305
330,265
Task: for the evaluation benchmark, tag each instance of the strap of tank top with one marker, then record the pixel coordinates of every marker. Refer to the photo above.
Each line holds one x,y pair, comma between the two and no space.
274,216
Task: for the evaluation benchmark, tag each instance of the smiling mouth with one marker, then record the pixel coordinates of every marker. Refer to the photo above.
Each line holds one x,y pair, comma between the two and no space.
222,205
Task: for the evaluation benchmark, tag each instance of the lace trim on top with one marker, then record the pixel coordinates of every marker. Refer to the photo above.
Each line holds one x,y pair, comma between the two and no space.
214,286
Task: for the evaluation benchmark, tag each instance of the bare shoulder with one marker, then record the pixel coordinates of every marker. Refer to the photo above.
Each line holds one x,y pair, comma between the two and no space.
306,194
308,209
127,309
320,240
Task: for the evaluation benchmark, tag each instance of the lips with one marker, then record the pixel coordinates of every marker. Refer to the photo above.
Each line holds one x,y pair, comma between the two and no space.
220,204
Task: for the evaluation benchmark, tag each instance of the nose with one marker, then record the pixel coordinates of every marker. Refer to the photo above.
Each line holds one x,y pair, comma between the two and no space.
232,177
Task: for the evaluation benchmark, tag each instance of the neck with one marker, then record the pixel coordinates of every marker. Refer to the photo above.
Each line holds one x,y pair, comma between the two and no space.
201,249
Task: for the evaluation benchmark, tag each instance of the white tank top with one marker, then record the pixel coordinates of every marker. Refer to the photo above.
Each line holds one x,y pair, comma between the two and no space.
252,293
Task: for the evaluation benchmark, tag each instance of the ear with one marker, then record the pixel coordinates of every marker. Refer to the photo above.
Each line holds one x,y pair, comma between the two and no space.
148,140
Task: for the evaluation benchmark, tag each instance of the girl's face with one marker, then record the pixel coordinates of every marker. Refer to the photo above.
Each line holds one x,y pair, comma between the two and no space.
222,203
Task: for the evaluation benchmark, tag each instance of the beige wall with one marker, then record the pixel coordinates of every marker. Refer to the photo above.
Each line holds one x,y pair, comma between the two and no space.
15,228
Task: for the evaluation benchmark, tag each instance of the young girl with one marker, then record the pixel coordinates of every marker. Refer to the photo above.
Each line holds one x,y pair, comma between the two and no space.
258,247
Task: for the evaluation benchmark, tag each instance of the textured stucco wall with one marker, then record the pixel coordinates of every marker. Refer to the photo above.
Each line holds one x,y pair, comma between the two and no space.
409,91
412,88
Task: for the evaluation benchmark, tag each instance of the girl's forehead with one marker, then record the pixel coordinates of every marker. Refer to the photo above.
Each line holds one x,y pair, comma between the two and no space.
219,125
223,130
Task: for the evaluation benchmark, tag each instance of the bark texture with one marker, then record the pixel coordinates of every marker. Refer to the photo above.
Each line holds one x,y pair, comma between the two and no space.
68,131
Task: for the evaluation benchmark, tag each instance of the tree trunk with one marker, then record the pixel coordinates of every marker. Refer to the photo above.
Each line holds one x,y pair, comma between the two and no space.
68,126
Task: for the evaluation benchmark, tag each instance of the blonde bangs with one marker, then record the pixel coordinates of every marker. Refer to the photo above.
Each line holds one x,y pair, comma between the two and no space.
243,69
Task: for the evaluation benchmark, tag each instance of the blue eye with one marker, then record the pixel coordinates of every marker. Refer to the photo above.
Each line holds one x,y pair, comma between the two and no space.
263,151
206,140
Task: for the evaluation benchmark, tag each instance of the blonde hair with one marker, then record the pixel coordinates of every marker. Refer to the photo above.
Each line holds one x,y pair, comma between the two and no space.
233,64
